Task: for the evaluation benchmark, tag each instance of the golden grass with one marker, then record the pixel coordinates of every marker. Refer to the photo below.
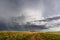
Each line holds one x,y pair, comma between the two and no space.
12,35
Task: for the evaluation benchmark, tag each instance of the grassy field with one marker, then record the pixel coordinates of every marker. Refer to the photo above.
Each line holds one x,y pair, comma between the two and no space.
29,35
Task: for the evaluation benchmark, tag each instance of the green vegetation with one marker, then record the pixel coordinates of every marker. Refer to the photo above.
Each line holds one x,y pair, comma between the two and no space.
29,36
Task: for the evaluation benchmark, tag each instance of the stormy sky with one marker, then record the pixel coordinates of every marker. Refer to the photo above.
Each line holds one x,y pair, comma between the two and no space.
29,10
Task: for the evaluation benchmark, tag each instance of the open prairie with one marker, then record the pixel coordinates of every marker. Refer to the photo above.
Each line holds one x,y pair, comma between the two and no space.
29,35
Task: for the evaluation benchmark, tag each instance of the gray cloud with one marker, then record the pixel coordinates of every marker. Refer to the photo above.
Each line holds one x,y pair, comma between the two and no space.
51,7
13,8
10,8
22,10
7,8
